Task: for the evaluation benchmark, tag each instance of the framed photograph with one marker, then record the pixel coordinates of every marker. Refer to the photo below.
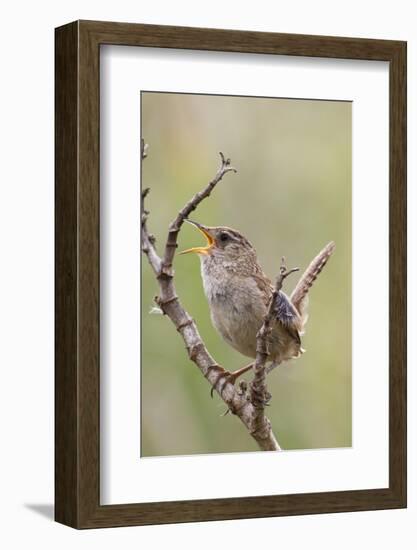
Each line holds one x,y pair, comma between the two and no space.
230,274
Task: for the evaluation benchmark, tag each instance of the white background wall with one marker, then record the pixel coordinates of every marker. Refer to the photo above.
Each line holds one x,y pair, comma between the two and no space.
26,272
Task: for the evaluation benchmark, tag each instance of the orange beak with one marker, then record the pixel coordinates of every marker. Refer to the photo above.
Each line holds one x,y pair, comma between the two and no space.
201,249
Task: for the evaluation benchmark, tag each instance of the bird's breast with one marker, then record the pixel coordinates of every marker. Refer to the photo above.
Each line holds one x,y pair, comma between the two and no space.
237,309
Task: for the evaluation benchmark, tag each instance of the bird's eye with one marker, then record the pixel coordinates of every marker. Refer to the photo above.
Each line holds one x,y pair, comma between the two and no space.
224,237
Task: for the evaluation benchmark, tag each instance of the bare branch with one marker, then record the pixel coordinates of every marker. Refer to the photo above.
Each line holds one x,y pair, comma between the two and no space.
175,226
259,395
237,401
143,149
148,240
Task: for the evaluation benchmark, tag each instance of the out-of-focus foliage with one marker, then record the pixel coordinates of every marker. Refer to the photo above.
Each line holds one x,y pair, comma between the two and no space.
291,196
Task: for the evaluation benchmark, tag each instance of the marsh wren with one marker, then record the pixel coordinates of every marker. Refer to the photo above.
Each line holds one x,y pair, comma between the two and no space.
239,292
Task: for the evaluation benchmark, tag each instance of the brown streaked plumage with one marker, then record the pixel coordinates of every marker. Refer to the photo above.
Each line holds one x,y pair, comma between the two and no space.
239,292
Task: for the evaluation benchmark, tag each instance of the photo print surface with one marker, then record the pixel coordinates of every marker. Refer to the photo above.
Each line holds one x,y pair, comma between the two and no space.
289,197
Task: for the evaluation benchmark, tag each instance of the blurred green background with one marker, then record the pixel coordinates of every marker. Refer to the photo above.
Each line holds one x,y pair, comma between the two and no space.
291,196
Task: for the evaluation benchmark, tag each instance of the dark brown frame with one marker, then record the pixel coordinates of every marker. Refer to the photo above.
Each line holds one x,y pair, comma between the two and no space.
77,405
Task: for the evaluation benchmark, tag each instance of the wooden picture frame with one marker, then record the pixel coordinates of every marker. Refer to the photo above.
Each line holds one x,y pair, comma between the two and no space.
77,372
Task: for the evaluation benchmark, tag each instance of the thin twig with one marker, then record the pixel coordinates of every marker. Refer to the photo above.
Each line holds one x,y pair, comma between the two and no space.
235,400
148,240
259,395
183,214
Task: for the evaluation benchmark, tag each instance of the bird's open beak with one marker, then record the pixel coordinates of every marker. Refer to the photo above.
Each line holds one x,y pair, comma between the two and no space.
201,249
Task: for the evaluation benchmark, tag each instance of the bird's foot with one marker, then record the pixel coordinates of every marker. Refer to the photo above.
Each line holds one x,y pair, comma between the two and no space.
228,377
260,397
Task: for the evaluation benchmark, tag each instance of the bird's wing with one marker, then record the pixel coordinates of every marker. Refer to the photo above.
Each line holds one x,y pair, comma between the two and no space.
285,312
287,315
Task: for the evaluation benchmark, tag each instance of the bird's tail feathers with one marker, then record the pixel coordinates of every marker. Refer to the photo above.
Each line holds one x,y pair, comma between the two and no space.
299,296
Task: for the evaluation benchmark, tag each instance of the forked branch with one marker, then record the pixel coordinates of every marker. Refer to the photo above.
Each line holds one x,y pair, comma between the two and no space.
237,401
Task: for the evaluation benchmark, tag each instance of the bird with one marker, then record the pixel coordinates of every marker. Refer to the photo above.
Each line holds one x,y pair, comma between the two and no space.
239,294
